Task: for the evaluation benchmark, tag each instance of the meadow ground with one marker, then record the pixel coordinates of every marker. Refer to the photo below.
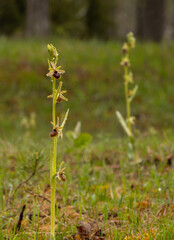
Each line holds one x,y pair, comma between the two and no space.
120,199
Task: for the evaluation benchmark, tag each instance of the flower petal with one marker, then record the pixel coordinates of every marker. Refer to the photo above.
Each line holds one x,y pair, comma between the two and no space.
52,65
61,71
50,96
50,73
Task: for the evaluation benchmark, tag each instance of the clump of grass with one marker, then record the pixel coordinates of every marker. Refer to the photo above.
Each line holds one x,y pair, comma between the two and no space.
129,93
57,96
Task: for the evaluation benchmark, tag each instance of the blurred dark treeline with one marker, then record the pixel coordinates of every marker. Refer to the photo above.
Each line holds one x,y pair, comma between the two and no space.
111,19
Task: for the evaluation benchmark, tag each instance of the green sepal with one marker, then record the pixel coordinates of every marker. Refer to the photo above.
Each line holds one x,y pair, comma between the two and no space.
65,118
133,93
49,65
58,91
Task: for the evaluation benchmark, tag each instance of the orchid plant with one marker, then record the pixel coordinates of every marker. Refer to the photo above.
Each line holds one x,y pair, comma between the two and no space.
128,123
55,73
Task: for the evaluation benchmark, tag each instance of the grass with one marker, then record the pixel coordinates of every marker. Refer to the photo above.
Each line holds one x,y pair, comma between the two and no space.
103,188
96,84
116,197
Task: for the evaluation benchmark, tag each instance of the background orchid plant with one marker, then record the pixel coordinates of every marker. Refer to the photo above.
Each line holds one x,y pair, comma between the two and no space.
128,123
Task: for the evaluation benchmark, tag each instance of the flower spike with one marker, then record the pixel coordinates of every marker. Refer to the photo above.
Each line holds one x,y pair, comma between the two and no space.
57,95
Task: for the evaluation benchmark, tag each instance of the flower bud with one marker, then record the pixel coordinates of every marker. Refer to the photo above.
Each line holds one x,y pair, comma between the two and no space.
131,40
52,51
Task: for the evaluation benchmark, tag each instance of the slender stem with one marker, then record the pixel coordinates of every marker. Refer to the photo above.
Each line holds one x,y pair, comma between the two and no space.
51,174
128,107
54,104
53,167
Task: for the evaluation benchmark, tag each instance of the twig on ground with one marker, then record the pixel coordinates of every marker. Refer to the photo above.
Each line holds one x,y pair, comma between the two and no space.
27,180
40,196
18,227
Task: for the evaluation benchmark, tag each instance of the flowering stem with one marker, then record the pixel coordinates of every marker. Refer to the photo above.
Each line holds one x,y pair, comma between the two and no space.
129,94
57,131
53,167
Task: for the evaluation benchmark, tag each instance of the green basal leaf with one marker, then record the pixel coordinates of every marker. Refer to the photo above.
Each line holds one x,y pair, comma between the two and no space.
70,135
123,124
83,140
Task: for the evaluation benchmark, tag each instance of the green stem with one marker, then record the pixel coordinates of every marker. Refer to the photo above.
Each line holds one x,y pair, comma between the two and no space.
128,112
53,168
128,108
54,104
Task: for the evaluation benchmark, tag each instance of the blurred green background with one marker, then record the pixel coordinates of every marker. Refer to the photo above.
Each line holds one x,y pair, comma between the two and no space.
88,35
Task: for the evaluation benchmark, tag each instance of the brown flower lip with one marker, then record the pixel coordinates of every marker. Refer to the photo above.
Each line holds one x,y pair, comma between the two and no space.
53,133
56,74
62,177
126,63
59,99
124,50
